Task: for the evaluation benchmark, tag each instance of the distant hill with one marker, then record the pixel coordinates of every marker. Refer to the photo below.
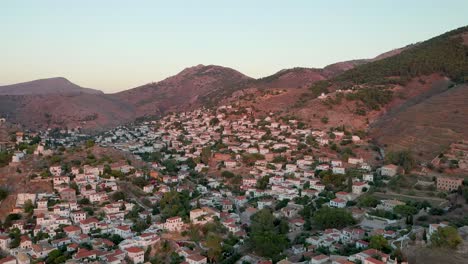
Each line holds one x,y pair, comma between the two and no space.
426,125
290,78
57,85
408,98
91,111
193,87
445,54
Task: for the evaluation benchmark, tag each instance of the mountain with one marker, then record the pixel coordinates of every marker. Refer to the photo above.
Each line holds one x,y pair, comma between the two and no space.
396,97
58,85
428,123
91,111
193,87
290,78
445,54
409,98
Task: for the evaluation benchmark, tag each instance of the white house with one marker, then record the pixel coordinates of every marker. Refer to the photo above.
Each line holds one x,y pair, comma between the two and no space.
174,224
389,170
136,254
360,187
355,160
338,170
368,177
196,259
338,203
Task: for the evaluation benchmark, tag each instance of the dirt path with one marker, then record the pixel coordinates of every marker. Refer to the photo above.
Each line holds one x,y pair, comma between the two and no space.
392,195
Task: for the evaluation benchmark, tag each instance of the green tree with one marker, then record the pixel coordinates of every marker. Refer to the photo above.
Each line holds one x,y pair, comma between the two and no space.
117,196
214,245
28,206
378,242
327,217
446,237
368,201
206,155
227,174
265,238
263,182
402,158
175,204
54,254
3,193
405,210
89,143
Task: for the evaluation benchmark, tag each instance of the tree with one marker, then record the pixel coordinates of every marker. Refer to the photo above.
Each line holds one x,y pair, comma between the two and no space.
60,259
175,204
251,158
83,201
334,180
140,182
54,254
5,157
206,155
227,174
15,237
402,158
214,121
446,237
3,194
265,238
327,217
368,201
10,218
405,210
263,182
117,196
378,242
28,206
281,204
214,245
89,143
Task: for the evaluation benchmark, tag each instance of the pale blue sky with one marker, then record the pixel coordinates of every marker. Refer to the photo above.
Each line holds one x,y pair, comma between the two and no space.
114,45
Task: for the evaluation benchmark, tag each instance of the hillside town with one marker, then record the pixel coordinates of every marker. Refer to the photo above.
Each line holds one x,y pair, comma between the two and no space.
221,186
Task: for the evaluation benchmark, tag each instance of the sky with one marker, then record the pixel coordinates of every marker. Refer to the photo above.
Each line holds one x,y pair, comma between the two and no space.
113,45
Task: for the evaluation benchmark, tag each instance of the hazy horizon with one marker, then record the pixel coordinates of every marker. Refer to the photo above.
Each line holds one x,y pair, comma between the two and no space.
118,45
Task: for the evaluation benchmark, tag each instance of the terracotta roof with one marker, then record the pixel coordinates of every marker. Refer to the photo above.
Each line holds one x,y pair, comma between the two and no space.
134,250
71,229
374,261
339,200
89,221
196,257
7,259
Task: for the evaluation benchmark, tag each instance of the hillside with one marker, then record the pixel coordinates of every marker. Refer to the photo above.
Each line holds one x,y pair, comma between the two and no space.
393,96
426,126
91,111
192,87
367,94
445,54
57,85
290,78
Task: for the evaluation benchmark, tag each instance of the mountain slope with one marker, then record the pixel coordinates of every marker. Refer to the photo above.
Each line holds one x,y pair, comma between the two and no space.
358,93
57,85
90,111
445,54
193,87
290,78
426,127
407,98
